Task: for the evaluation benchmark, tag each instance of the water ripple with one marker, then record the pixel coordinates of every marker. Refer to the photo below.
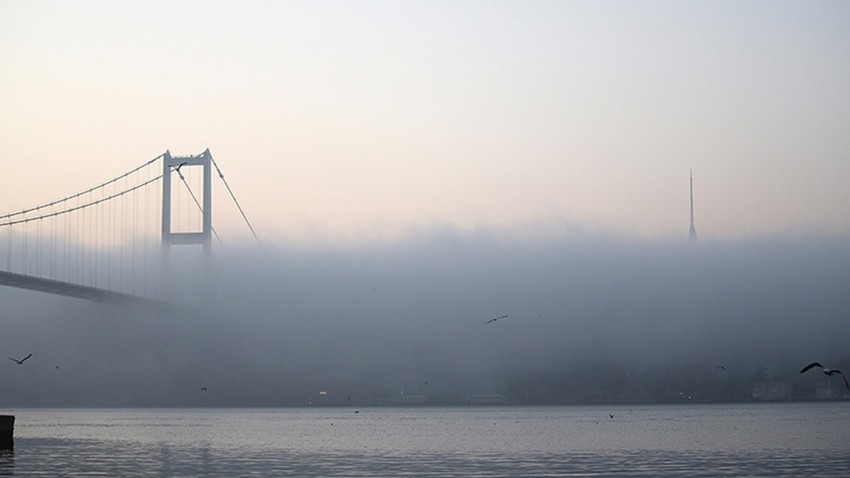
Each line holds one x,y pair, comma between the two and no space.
729,441
97,458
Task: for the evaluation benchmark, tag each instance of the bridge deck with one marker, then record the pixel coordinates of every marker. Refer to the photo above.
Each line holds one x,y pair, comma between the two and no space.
23,281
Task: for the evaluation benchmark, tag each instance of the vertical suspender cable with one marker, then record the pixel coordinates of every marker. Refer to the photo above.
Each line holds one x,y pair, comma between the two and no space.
53,224
9,249
96,227
25,240
145,238
38,244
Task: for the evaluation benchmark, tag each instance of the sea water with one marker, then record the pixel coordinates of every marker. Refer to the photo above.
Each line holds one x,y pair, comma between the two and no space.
789,439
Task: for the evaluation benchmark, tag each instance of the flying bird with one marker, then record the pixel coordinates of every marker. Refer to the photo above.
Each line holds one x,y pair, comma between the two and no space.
826,371
21,361
494,319
720,367
180,166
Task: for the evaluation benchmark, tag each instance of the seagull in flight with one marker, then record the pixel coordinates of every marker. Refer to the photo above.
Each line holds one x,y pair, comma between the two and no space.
826,371
180,166
494,319
21,361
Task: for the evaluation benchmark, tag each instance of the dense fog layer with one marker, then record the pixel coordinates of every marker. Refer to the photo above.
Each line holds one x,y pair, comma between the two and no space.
590,318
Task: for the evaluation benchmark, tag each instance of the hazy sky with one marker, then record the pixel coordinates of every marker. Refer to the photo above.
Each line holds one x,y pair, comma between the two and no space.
372,119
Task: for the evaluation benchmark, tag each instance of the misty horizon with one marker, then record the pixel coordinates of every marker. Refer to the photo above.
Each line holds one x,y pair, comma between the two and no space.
591,316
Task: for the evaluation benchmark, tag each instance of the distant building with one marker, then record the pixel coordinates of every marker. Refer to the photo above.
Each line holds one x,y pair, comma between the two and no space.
828,390
772,390
485,399
409,399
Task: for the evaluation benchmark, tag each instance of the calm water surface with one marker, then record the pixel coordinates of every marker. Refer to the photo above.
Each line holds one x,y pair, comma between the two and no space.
683,440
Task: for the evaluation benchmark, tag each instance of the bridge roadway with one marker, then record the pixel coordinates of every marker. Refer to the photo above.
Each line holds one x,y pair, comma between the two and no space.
50,286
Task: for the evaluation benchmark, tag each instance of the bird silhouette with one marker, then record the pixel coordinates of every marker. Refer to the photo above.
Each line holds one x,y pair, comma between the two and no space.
180,166
21,361
720,367
494,319
826,371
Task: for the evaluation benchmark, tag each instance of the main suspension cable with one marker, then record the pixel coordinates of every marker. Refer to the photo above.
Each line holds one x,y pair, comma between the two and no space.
200,208
74,196
220,175
80,206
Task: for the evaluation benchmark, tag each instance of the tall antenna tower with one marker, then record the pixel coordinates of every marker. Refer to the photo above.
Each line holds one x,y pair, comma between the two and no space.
692,233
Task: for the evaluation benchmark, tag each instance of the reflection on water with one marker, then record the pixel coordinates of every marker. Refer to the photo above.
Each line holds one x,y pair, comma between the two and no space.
7,462
742,440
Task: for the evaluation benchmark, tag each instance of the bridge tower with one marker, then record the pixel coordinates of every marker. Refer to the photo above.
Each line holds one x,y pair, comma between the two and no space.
172,164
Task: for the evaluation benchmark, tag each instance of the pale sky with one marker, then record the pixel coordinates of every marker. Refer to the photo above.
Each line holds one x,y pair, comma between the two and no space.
374,119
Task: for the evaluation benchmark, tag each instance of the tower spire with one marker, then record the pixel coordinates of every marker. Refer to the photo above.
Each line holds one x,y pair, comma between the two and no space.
692,233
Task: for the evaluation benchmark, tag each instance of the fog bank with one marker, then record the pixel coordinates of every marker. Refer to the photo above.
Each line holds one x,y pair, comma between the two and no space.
591,317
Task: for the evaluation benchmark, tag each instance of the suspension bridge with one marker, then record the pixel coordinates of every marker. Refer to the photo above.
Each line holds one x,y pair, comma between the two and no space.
111,243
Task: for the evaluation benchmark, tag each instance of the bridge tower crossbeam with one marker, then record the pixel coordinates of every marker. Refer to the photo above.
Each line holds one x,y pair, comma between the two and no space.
204,236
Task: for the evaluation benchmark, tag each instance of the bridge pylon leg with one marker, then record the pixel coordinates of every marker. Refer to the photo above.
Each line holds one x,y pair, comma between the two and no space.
171,165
